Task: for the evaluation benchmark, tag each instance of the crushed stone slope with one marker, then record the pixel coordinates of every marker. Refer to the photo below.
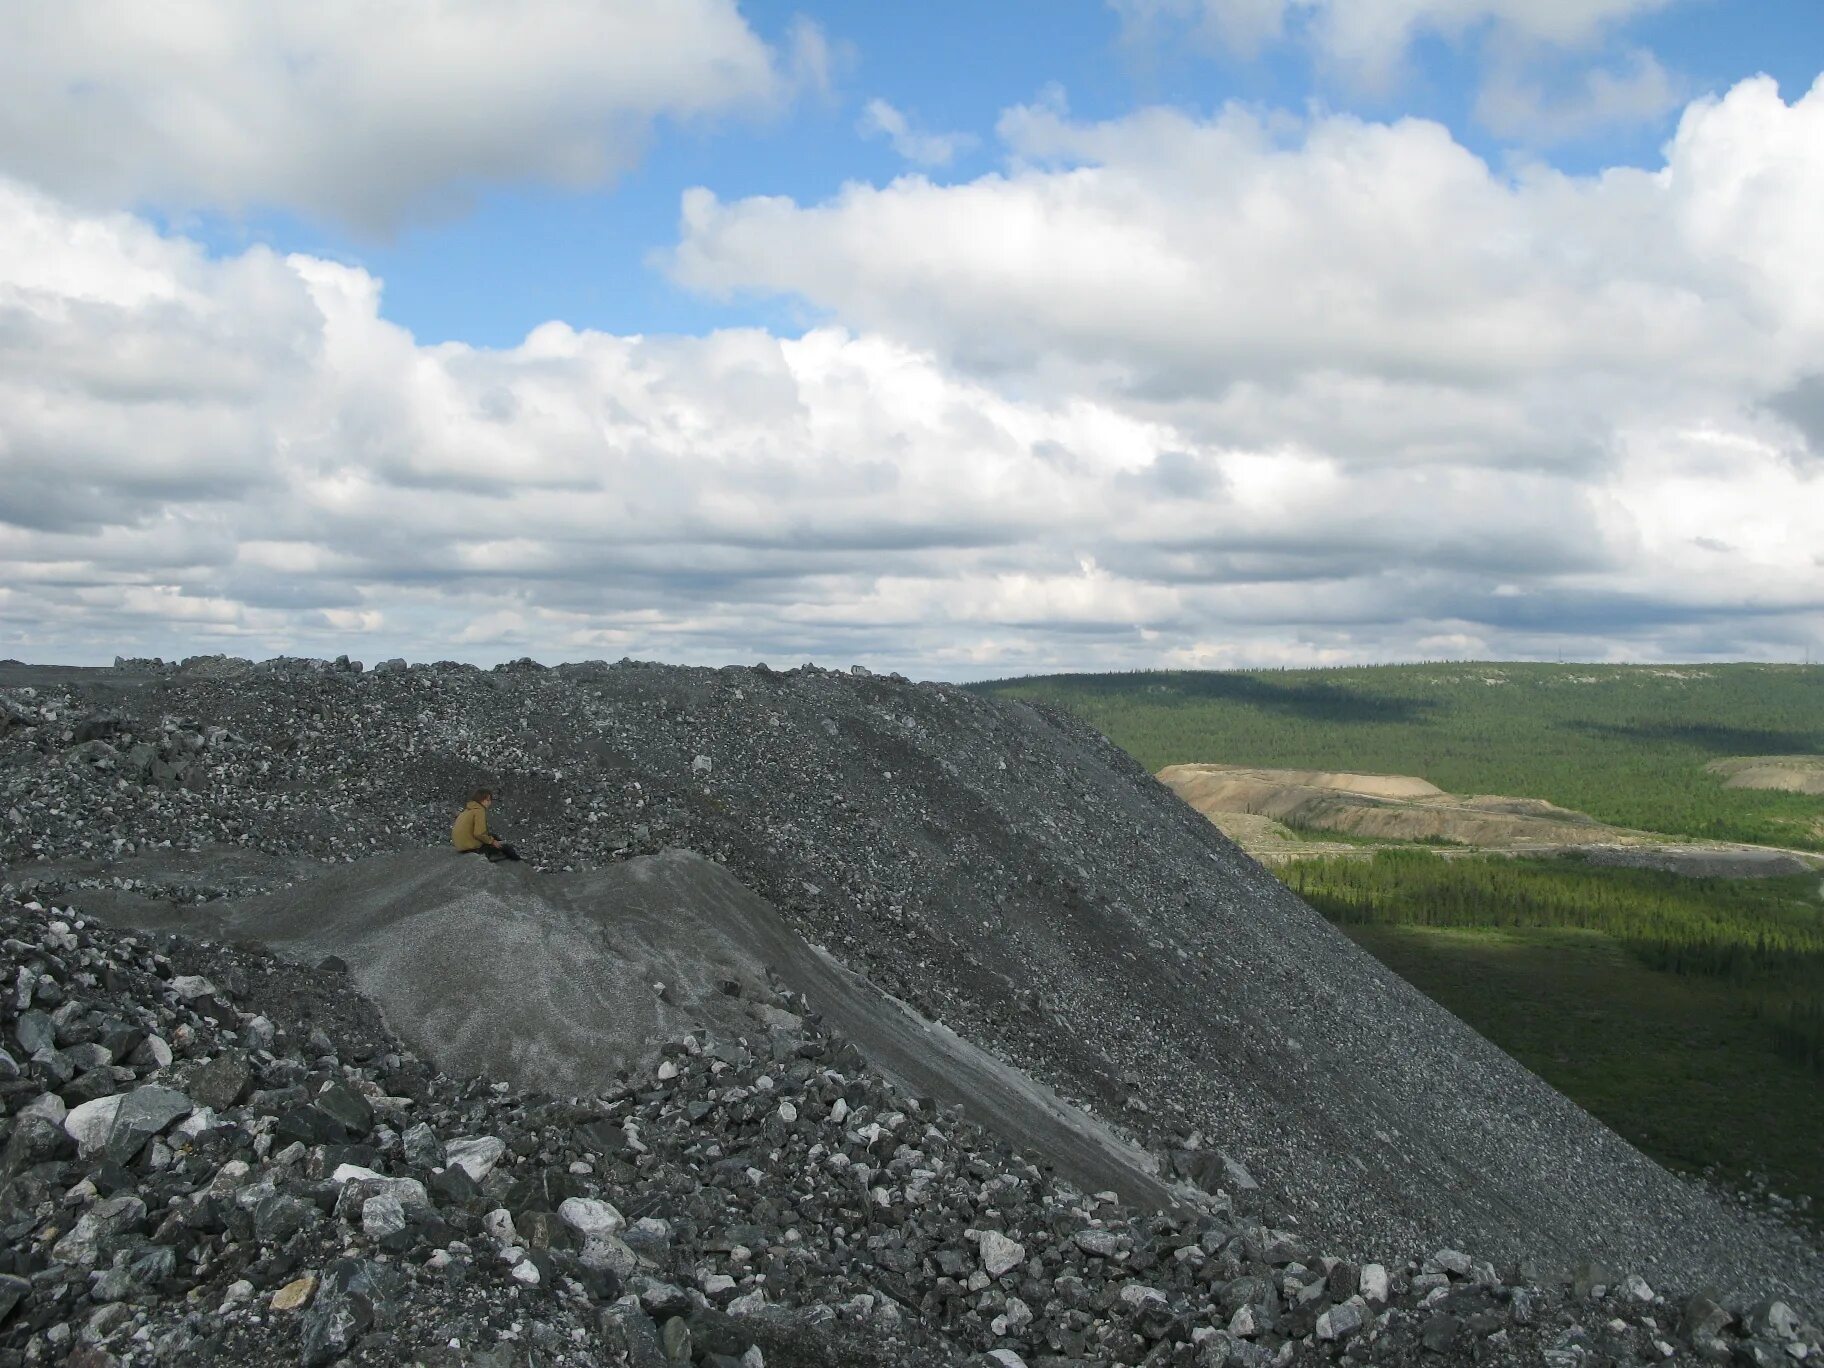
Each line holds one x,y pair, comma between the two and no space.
264,1176
999,866
566,982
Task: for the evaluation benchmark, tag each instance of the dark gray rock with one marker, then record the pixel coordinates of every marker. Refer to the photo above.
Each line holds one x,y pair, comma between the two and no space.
13,1291
346,1108
221,1082
353,1294
35,1140
34,1032
422,1147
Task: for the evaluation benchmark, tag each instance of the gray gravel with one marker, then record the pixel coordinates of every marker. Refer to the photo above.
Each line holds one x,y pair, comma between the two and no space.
999,867
213,1156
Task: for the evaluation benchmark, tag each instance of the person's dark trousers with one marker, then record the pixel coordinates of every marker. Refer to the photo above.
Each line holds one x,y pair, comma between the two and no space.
495,854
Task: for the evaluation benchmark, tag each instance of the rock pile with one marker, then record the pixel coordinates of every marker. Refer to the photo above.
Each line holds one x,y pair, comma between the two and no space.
1000,867
211,1155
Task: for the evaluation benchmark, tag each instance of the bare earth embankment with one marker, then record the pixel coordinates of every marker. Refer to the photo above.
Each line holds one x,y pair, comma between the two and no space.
1280,814
1787,773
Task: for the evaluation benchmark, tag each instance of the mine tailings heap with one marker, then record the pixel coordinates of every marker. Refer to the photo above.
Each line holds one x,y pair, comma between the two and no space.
997,866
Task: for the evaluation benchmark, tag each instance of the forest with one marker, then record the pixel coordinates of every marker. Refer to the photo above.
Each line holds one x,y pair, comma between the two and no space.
1764,938
1626,744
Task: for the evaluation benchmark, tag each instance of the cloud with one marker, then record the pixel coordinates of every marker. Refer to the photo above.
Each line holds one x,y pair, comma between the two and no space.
1137,398
1342,273
1802,405
364,111
1367,40
1517,105
920,148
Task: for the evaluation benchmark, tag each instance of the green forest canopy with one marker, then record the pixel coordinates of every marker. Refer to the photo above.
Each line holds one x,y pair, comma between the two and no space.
1625,743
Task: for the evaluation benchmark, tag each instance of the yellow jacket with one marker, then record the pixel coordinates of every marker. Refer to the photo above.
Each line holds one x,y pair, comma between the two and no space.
471,828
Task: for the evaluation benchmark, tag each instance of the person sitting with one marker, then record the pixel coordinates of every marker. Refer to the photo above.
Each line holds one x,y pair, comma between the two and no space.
470,834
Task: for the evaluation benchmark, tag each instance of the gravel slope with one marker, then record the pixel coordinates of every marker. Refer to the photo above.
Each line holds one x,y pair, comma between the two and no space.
566,982
999,867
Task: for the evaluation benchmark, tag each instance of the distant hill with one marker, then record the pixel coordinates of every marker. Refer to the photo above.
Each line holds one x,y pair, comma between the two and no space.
1631,745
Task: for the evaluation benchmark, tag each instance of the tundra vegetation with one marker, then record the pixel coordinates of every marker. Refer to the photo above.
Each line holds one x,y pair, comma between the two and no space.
1686,1013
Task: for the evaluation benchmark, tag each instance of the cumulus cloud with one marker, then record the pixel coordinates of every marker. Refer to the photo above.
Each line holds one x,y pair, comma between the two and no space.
880,119
364,111
1498,416
1213,266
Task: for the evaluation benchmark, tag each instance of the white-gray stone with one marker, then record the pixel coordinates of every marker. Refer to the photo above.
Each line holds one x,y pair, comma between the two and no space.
120,1124
475,1156
89,1124
382,1216
748,1303
590,1216
408,1190
999,1254
1374,1283
82,1245
499,1224
1453,1261
608,1252
1102,1243
1345,1318
48,1106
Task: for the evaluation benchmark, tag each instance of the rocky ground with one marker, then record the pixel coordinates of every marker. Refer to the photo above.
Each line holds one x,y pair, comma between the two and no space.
213,1155
998,867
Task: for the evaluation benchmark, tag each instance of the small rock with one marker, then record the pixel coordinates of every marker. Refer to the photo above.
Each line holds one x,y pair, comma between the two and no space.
422,1148
476,1156
382,1216
1453,1261
1343,1319
296,1294
674,1339
1103,1244
12,1291
590,1216
221,1082
999,1254
1772,1319
1440,1333
189,987
100,1223
1704,1318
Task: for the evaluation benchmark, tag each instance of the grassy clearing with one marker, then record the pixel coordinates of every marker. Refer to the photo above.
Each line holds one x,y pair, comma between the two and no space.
1680,1066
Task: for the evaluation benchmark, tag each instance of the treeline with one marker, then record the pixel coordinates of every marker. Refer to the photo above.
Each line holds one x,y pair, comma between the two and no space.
1627,745
1764,937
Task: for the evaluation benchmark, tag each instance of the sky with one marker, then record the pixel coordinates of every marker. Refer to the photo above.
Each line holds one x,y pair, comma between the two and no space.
957,339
